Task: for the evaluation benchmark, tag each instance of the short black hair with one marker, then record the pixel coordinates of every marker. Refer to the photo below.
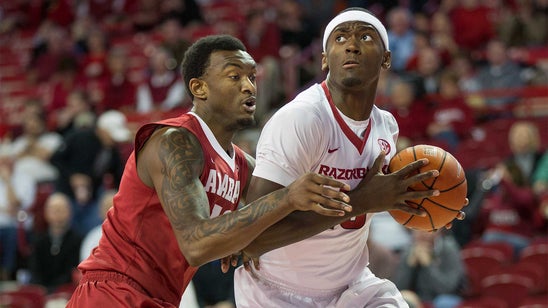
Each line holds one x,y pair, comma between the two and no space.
197,56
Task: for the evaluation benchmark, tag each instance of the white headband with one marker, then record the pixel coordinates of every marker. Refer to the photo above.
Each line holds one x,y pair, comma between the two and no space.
355,15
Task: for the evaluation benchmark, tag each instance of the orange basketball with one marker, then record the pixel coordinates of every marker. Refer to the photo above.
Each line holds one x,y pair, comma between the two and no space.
442,209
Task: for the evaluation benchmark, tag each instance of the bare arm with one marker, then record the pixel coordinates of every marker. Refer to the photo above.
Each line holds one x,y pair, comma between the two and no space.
172,162
377,192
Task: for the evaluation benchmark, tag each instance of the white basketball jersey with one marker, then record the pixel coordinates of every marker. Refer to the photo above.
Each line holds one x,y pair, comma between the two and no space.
310,134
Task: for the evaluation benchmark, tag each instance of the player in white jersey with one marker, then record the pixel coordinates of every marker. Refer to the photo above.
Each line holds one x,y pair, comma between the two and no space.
334,129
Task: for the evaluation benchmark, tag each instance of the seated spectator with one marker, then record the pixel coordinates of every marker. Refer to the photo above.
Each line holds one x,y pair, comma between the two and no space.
452,119
77,113
91,239
431,267
499,74
52,45
17,192
410,113
32,150
55,254
163,89
527,26
471,21
88,159
509,211
540,187
401,37
118,91
171,39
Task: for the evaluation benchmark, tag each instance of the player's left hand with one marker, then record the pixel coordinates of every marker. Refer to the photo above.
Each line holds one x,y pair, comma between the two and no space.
249,261
460,216
228,261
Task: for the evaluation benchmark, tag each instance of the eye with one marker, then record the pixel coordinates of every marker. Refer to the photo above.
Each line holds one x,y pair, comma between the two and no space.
234,77
366,37
252,78
340,39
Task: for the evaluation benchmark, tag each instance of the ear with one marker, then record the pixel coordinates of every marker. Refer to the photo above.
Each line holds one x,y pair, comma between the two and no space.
325,66
198,88
387,60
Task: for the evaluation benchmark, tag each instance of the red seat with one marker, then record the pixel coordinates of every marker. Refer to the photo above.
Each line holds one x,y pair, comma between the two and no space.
482,259
537,253
15,301
511,288
534,302
33,296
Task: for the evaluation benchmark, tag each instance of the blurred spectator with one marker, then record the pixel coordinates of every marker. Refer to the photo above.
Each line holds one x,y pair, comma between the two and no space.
163,89
88,160
442,35
54,254
431,267
527,26
410,112
462,65
296,28
452,119
118,91
510,208
429,67
17,192
540,187
146,15
51,46
499,73
93,65
187,12
91,239
62,84
76,114
32,150
387,240
401,37
258,30
172,39
472,22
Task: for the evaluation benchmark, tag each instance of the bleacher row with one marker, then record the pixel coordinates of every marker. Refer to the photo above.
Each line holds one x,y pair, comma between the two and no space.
498,279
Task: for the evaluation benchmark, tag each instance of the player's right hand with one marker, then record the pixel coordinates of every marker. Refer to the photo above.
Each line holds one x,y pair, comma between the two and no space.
318,193
379,192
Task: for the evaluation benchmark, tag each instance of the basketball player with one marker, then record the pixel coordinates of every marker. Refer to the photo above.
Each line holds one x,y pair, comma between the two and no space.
184,174
334,129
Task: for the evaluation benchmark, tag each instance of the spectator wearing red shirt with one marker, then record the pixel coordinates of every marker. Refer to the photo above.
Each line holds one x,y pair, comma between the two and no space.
473,23
163,89
452,118
410,113
118,91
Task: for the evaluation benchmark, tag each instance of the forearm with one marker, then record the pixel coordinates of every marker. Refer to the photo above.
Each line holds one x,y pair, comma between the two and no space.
215,238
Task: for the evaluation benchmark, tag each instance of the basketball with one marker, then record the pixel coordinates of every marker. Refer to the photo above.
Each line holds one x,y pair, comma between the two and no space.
451,182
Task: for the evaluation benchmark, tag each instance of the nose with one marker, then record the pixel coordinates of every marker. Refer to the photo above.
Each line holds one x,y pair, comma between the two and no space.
352,46
249,86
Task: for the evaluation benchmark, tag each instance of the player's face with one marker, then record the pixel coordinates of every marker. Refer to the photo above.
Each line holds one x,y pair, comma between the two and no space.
231,87
354,55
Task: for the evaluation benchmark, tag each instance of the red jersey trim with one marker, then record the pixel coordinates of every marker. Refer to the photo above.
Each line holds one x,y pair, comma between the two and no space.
355,139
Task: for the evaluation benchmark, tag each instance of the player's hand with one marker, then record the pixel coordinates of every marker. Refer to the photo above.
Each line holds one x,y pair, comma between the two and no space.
228,261
250,261
379,192
318,193
461,215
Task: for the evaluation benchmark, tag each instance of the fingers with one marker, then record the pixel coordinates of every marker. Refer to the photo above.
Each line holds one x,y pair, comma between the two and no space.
320,209
409,168
327,181
379,161
225,264
410,209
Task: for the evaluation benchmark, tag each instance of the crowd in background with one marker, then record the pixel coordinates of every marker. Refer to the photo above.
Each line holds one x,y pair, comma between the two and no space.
78,77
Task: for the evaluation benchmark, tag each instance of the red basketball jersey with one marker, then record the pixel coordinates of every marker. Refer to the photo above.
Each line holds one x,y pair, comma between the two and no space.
138,240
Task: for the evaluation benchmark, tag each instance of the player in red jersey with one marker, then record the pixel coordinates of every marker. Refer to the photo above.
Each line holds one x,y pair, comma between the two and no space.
176,208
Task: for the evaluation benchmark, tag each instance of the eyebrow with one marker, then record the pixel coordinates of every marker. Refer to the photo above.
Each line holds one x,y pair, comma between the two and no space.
361,26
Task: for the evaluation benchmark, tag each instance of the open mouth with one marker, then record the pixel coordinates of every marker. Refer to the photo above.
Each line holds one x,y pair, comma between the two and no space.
250,102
